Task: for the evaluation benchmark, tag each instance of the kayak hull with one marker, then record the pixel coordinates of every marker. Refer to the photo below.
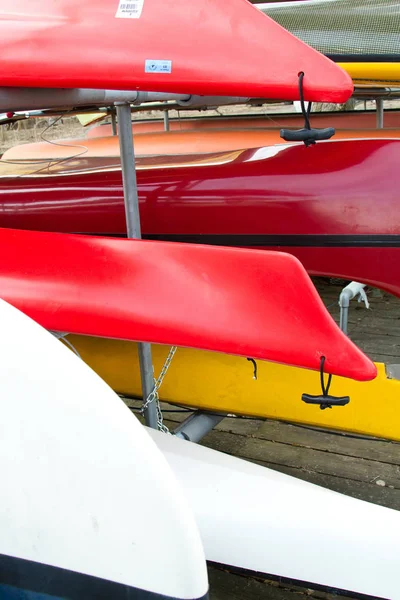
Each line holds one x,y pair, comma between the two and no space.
335,206
229,387
284,526
370,74
68,514
195,296
55,46
59,413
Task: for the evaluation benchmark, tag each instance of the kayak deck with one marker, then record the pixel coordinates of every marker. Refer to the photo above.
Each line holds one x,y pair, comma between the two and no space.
235,198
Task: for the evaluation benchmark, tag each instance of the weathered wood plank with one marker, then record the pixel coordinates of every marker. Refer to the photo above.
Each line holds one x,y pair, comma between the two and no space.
305,437
228,585
240,429
384,496
236,425
307,459
234,444
375,323
384,358
390,350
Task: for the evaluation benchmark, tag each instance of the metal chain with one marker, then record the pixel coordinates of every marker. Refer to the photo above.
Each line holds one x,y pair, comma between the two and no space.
154,397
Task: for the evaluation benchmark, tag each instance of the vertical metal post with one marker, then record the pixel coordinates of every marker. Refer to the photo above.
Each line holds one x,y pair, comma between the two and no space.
353,289
114,121
379,113
344,318
133,228
166,120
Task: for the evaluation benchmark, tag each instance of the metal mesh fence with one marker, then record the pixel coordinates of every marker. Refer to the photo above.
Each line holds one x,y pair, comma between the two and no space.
344,27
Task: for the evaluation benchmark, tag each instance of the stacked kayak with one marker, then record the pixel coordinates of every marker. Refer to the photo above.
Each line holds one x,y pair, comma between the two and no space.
333,206
60,414
141,55
66,506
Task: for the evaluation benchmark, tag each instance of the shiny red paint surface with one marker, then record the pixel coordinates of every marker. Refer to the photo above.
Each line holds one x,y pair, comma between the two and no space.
343,188
211,47
246,302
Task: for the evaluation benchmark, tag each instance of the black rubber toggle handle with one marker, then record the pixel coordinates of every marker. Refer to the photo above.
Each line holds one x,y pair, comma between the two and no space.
326,401
308,136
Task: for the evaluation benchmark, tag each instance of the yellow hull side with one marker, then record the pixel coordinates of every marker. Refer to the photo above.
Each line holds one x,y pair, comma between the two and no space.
374,74
224,383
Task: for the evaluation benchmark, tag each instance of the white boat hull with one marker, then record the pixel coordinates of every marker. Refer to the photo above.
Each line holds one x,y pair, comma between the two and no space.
88,506
87,492
255,518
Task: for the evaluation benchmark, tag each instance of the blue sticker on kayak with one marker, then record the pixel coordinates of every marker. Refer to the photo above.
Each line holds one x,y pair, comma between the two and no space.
158,66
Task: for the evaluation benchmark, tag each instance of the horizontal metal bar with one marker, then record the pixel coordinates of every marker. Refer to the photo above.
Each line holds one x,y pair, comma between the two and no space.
367,93
195,427
27,99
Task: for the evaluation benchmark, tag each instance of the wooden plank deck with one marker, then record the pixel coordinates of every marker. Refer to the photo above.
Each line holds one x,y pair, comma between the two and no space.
368,469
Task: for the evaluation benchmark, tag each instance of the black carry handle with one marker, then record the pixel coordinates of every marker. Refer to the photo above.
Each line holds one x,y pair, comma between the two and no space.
308,136
325,401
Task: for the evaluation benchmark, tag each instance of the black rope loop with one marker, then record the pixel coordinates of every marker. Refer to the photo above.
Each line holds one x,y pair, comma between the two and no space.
308,135
306,111
325,388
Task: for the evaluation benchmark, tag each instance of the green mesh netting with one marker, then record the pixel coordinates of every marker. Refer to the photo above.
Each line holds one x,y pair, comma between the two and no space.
344,27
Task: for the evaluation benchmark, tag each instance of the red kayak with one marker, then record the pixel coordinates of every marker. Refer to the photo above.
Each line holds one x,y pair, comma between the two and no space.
335,205
231,300
207,47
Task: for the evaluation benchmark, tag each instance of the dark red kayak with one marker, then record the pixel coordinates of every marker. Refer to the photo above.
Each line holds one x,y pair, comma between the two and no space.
334,205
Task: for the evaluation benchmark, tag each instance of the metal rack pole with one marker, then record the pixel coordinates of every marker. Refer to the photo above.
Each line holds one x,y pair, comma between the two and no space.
166,120
133,228
114,121
379,113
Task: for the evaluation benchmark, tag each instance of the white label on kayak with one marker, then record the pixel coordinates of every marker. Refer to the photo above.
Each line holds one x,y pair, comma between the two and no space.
158,66
129,9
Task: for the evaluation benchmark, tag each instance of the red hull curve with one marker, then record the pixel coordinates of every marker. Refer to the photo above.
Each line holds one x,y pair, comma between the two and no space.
228,300
335,205
55,44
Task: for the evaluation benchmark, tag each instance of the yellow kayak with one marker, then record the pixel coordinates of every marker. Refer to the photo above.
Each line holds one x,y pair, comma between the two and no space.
222,383
372,74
